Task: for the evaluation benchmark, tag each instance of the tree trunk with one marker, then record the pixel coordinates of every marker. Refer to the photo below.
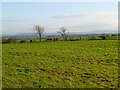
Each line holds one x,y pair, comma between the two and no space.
40,36
65,38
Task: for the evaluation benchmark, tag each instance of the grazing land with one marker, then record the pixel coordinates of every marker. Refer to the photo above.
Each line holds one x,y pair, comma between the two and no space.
61,64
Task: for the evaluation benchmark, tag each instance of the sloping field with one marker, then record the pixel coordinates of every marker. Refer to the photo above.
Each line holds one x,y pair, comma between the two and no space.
64,64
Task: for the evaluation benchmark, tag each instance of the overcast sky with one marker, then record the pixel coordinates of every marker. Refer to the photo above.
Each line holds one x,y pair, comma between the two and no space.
21,17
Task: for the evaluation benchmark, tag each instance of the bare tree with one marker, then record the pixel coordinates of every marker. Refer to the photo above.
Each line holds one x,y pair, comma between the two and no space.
63,32
39,30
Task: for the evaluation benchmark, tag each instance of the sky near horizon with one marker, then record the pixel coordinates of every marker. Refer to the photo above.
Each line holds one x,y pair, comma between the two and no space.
21,17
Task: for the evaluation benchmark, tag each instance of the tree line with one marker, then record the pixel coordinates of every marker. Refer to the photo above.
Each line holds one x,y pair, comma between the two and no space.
62,30
64,33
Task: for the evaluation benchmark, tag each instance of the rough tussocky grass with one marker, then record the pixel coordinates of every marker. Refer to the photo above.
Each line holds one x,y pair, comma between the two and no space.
64,64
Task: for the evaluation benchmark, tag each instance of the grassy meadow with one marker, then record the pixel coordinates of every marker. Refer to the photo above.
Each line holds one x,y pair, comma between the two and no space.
60,64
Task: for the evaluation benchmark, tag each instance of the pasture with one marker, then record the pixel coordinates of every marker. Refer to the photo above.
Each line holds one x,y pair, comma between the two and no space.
61,64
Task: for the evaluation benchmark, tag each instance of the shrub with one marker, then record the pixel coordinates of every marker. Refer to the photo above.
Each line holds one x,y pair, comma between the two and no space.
10,40
73,39
93,38
22,41
31,41
103,37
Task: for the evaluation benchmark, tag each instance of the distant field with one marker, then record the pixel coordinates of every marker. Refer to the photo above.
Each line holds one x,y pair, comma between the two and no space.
62,64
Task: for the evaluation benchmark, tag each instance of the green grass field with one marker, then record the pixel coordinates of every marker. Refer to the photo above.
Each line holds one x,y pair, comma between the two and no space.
62,64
